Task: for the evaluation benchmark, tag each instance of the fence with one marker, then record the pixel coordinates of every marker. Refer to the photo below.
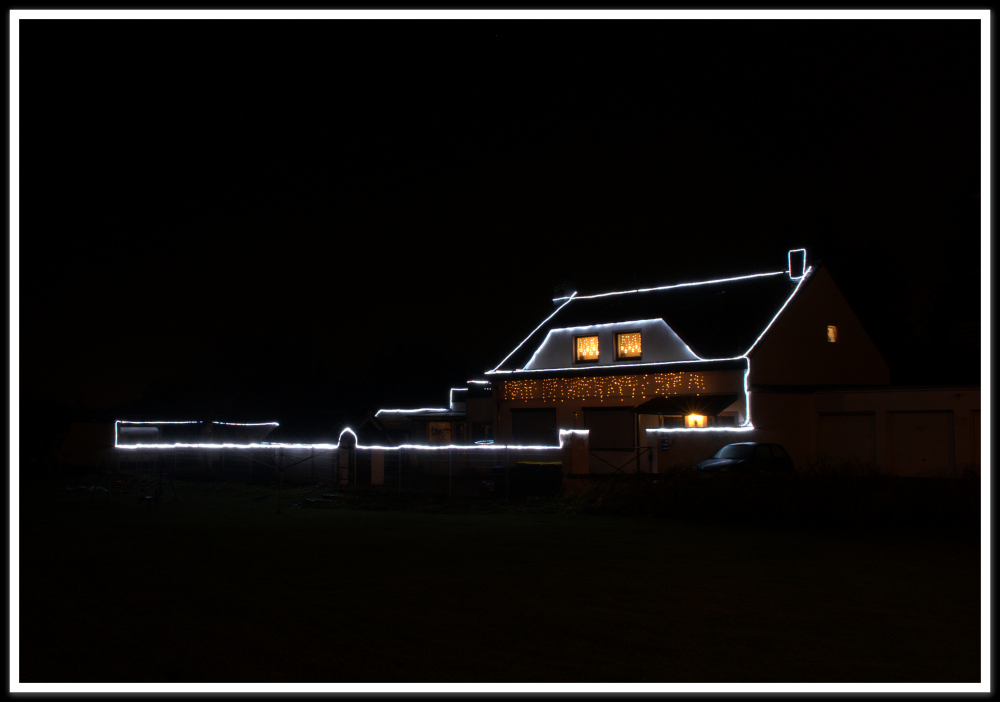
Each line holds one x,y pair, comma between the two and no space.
457,471
620,460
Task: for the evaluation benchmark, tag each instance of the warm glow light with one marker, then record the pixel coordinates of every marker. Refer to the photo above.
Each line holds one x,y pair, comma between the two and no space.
602,387
694,420
831,333
630,345
586,348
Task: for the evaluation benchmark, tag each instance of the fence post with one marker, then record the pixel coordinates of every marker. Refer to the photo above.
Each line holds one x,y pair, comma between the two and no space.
377,461
652,447
506,464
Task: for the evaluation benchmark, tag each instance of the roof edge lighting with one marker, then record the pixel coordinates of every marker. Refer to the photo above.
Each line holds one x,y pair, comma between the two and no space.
795,292
568,300
411,411
676,285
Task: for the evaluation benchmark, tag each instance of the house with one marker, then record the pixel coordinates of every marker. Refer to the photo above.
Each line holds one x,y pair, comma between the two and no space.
648,379
662,377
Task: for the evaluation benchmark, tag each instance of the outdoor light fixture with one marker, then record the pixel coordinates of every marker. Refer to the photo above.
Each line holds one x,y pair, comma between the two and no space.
694,420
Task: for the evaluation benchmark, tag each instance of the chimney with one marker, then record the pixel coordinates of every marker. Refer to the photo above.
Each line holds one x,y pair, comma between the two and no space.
796,263
562,292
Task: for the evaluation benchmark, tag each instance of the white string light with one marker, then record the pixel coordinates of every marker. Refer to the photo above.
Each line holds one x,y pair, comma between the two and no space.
790,263
747,426
418,447
571,298
250,424
411,411
585,369
186,421
451,396
773,319
668,287
699,429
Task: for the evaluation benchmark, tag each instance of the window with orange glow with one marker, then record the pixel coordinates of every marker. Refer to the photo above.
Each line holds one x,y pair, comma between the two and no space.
831,333
586,349
629,345
695,420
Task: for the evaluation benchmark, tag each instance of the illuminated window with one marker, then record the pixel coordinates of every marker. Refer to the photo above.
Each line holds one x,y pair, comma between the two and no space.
628,345
586,349
695,420
831,333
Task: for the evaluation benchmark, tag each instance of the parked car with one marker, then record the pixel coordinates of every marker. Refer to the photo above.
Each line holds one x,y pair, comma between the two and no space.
747,457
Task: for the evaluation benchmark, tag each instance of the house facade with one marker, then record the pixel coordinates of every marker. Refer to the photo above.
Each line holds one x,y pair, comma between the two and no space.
641,380
658,378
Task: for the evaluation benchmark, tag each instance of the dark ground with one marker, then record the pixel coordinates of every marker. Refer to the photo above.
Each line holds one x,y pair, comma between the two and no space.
219,586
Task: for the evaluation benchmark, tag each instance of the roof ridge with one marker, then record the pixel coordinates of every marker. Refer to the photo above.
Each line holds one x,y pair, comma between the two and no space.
669,287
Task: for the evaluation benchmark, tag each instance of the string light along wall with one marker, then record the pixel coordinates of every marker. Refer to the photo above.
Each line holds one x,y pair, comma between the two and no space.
620,387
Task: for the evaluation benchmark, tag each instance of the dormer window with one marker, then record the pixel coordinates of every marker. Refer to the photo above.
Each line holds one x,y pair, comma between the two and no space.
585,349
628,345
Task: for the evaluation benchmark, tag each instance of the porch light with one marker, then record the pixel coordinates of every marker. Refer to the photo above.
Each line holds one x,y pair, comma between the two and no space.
694,421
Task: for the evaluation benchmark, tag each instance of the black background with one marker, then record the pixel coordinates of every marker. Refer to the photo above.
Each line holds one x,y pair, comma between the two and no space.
302,221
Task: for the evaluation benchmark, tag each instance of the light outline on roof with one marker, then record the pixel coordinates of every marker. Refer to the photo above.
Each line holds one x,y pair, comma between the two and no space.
609,324
411,411
451,398
746,355
798,286
805,269
669,287
584,369
571,298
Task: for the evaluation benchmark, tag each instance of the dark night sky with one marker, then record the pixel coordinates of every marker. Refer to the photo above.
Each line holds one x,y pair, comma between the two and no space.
302,221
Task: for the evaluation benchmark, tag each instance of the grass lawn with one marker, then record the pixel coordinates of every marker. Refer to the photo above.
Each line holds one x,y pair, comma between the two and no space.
219,586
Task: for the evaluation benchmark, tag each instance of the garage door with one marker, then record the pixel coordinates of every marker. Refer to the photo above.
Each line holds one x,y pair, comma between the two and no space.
610,428
922,444
534,427
847,438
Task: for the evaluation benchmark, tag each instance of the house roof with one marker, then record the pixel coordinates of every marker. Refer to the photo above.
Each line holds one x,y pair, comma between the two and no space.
717,319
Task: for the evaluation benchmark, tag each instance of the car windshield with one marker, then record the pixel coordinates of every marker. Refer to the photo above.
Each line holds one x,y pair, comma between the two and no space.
735,451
